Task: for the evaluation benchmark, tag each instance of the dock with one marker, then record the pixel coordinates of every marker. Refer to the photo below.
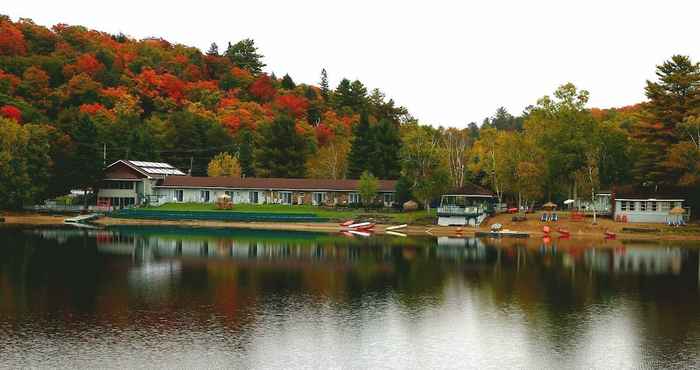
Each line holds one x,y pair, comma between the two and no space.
502,234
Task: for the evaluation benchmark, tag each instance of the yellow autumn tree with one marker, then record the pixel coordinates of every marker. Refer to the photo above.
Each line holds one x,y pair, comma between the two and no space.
224,164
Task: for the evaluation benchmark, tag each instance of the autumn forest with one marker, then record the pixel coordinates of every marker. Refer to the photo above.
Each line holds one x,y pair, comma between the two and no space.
73,99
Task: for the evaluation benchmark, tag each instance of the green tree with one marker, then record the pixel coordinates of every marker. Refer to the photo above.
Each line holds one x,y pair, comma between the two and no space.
368,187
362,145
244,54
213,50
386,161
324,85
403,190
283,151
423,163
287,82
245,153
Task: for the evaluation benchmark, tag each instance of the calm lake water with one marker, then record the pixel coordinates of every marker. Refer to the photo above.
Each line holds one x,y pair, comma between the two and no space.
167,298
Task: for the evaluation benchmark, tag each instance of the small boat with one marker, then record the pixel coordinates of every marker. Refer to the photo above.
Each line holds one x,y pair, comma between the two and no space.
563,231
368,226
347,223
81,218
610,235
358,225
546,229
397,227
394,233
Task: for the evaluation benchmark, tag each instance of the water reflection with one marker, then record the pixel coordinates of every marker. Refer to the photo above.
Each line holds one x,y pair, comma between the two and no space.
184,297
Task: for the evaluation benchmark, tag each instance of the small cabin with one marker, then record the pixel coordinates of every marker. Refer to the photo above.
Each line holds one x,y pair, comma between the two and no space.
469,205
649,207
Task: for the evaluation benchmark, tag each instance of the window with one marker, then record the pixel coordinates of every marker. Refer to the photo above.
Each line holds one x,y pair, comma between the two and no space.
643,206
653,206
204,196
179,195
253,197
632,206
318,198
666,206
125,185
286,197
354,198
623,205
388,198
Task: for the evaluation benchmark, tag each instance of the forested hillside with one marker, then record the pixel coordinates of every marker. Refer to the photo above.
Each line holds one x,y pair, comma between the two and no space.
68,95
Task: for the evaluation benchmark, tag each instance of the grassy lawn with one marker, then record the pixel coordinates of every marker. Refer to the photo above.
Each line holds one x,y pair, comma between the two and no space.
334,214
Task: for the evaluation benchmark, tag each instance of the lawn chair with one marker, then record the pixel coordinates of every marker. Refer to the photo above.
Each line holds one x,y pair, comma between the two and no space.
555,218
543,218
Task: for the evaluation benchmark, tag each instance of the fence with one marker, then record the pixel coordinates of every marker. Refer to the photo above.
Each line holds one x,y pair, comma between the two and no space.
216,216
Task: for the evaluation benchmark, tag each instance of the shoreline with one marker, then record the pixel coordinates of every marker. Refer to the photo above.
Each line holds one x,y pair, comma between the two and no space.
578,231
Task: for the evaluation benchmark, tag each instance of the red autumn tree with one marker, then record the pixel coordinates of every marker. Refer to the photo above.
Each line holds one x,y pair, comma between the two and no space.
11,112
87,63
324,134
11,40
292,105
262,88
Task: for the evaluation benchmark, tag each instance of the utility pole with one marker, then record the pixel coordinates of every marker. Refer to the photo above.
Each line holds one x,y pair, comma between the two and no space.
191,163
104,155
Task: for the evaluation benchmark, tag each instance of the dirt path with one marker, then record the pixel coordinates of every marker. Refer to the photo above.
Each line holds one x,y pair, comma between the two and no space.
579,230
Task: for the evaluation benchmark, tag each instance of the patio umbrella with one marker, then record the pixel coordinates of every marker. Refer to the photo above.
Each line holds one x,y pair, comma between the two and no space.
569,201
549,205
677,211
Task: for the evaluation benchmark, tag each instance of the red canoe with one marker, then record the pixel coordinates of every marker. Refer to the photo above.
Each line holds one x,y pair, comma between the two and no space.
347,223
546,229
610,235
563,231
365,227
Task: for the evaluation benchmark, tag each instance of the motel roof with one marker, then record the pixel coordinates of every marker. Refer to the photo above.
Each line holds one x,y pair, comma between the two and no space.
660,193
260,183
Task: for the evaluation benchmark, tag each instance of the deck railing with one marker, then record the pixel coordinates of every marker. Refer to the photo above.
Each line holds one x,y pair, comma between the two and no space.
459,210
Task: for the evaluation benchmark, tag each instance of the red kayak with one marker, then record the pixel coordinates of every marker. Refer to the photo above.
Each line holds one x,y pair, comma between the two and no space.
365,227
347,223
563,231
546,229
610,235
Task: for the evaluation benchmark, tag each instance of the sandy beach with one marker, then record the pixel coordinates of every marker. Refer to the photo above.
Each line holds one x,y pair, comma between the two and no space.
578,229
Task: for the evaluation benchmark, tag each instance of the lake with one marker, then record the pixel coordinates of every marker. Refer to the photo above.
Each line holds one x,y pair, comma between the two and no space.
192,298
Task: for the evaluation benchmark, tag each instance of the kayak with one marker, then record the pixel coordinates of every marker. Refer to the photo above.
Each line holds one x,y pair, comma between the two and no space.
397,227
347,223
358,225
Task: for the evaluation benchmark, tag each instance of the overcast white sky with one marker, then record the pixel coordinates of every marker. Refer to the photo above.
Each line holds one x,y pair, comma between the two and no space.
448,62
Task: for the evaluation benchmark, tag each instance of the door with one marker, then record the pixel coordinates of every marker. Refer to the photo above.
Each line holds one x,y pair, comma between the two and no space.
254,197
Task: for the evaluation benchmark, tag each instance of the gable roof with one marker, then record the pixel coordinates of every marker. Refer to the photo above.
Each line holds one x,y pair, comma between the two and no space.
151,169
270,183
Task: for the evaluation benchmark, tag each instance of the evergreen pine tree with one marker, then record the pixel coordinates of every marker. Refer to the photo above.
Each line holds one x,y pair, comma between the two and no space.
324,85
283,150
213,50
244,54
386,163
361,149
245,153
287,82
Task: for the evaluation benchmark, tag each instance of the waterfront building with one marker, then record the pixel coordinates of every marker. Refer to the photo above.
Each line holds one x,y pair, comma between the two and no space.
131,183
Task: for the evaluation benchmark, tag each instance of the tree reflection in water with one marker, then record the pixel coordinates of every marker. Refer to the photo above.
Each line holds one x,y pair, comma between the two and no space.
521,302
